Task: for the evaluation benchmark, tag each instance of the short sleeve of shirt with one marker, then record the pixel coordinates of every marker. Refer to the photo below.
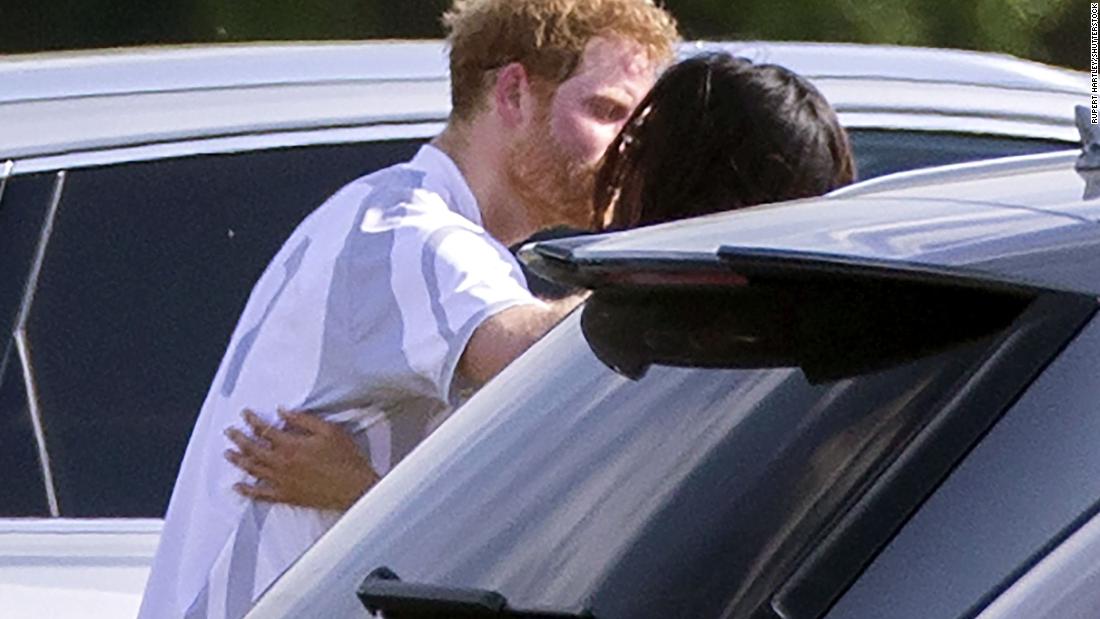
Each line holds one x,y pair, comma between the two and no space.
468,277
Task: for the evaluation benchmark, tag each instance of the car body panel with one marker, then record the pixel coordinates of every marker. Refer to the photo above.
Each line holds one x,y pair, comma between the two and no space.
946,106
95,123
899,62
314,85
228,145
1047,183
544,503
60,567
1035,474
202,67
970,237
132,70
35,128
1043,592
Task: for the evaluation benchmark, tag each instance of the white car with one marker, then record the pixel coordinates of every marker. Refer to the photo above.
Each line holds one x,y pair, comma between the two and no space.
143,191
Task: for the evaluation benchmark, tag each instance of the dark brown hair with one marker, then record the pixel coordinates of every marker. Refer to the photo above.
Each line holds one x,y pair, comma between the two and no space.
716,133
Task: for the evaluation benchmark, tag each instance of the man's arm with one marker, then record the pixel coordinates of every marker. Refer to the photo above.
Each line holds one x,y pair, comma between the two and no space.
503,337
314,463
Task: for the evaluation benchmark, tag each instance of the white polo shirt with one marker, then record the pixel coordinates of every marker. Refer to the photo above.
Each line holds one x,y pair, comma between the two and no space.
361,317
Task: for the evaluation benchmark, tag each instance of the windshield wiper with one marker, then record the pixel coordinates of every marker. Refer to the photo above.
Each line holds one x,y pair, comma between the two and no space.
384,595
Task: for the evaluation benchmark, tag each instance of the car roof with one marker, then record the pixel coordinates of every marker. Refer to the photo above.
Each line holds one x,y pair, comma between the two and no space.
68,102
1028,220
144,69
897,62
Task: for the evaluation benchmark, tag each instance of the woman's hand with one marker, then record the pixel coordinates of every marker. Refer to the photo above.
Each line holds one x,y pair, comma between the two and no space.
308,462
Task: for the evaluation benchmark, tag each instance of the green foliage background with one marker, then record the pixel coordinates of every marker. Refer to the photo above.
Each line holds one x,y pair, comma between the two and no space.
1053,31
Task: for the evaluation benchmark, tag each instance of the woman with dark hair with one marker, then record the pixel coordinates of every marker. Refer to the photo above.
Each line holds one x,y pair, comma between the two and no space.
716,133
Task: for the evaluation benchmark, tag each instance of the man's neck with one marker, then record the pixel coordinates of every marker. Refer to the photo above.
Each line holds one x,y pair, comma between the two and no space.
482,163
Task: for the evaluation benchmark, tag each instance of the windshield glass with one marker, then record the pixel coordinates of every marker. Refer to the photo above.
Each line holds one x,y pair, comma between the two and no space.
683,492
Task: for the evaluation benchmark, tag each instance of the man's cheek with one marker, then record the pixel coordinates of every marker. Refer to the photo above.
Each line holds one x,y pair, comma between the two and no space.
608,133
570,130
598,139
589,141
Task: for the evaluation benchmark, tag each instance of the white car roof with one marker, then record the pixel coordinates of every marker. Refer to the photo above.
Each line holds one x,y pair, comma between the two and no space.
144,69
59,103
896,62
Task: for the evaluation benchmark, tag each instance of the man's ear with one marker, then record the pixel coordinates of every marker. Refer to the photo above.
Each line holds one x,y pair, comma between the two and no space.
512,95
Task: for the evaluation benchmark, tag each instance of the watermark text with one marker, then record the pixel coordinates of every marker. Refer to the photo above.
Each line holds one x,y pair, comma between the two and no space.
1094,54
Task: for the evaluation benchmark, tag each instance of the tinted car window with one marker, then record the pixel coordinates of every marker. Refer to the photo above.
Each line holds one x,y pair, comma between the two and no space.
881,152
148,269
23,205
1028,483
692,488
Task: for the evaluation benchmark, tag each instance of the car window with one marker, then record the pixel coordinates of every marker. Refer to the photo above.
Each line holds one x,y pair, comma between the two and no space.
148,268
23,205
1027,485
880,152
690,488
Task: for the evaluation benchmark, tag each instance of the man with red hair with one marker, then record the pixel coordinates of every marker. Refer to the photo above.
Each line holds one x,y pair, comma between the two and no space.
398,293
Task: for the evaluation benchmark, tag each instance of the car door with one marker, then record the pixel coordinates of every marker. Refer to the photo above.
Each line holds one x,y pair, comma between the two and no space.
1025,489
1064,585
626,466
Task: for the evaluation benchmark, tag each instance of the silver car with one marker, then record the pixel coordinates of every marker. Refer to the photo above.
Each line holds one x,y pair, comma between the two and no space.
880,403
143,191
